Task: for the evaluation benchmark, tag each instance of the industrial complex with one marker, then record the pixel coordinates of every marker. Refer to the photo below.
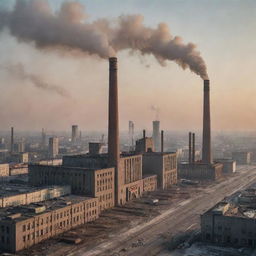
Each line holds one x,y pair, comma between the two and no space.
69,187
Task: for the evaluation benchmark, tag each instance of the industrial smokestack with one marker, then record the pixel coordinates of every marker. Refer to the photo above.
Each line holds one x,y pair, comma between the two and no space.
113,126
189,147
193,148
156,135
12,139
144,134
162,141
207,158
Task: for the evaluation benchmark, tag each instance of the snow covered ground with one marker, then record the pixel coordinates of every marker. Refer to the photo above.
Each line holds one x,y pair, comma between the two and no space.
200,249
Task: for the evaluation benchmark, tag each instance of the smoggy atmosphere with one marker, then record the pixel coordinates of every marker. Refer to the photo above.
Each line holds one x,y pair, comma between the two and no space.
49,78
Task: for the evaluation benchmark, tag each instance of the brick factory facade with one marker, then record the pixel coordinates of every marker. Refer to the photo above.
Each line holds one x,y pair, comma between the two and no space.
90,182
200,171
164,165
22,227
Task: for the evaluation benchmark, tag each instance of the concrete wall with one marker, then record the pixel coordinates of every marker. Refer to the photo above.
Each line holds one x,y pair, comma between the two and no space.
228,230
30,231
150,183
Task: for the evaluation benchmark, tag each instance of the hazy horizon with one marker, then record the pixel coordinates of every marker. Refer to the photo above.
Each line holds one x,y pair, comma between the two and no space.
222,30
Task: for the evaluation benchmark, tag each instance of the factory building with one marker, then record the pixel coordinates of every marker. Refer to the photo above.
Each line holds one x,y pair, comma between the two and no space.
53,147
144,144
229,165
204,169
232,222
17,194
200,171
24,226
129,184
83,181
242,157
164,165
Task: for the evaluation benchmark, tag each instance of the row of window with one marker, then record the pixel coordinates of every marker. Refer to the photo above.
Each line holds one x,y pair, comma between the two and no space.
105,174
60,225
57,216
105,197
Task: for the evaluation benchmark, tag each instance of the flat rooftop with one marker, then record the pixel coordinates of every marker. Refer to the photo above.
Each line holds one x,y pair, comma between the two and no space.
23,212
241,204
17,189
158,153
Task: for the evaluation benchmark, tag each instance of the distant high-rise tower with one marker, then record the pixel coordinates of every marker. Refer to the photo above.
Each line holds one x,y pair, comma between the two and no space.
53,147
156,135
12,139
75,134
131,134
43,142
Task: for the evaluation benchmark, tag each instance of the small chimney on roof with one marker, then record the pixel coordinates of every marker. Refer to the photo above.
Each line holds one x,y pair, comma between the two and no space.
190,147
162,141
193,148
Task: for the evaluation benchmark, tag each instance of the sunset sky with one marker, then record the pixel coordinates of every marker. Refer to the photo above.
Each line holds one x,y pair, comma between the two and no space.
223,30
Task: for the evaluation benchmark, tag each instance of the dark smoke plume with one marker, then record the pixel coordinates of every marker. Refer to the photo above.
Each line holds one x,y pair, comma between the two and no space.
18,71
33,20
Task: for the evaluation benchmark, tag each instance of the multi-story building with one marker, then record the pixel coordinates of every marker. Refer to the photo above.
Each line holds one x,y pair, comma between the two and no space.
17,194
24,226
128,182
53,147
232,222
145,144
164,165
83,181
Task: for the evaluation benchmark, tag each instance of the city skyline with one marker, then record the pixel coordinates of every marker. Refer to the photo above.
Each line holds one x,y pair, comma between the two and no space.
224,36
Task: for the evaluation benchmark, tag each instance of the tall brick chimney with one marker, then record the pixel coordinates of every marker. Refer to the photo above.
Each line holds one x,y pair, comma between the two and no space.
113,124
207,158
